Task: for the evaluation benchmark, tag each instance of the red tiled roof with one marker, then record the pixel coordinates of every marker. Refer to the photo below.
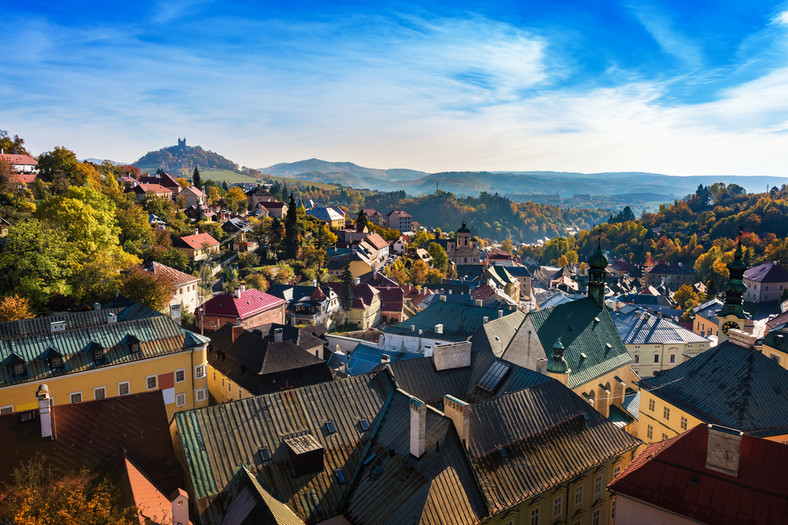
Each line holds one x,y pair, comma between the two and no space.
23,178
177,277
250,303
274,205
398,213
194,190
166,180
155,188
672,475
376,240
199,240
25,160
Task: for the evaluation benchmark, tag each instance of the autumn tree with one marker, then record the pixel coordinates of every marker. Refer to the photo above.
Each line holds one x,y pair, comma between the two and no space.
235,199
440,260
13,308
36,495
153,290
9,145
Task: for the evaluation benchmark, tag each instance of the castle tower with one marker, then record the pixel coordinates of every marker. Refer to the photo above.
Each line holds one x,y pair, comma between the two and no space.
732,315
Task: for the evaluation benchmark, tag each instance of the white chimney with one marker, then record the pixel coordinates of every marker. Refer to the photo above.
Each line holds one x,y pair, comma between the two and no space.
418,427
500,314
412,328
485,320
438,328
314,283
277,335
112,318
442,298
385,358
459,412
479,302
723,450
44,410
196,231
180,507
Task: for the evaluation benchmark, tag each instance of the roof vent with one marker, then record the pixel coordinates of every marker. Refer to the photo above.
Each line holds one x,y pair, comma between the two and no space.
112,318
485,320
583,355
57,326
608,346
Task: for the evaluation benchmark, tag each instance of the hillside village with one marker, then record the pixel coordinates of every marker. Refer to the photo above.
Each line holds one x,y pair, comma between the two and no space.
241,353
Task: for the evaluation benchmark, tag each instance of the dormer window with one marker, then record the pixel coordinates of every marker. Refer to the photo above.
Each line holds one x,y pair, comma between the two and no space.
133,344
17,365
55,362
19,369
53,358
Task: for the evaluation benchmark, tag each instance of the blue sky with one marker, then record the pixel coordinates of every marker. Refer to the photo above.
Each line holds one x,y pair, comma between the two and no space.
673,87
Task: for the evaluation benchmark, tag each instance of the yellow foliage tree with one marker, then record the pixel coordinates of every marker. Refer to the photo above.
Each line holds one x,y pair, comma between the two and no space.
13,308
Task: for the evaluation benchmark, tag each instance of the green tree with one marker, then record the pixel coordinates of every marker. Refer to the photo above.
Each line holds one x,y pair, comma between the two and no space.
346,290
197,179
292,231
440,260
361,219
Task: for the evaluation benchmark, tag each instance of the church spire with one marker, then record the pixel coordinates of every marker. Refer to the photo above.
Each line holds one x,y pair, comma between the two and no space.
735,287
597,276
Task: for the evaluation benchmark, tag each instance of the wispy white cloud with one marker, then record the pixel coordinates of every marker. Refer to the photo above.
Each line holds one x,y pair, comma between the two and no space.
670,40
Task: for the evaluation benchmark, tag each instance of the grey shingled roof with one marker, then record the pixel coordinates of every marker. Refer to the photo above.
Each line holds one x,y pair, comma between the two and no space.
767,273
728,385
460,321
584,328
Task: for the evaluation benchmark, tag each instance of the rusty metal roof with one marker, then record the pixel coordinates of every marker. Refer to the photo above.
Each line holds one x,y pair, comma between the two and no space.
548,436
395,487
217,440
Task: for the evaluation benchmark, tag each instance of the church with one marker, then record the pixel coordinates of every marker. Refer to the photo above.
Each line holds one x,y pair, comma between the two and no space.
464,249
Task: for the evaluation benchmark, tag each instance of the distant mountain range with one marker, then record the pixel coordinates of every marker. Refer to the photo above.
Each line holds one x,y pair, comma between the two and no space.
644,187
565,184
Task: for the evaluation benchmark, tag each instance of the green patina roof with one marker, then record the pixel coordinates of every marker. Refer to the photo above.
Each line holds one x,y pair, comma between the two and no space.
460,321
584,328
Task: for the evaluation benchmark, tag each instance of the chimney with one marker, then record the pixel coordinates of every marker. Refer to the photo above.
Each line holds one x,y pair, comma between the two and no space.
412,328
314,283
741,338
180,507
45,410
356,281
57,326
723,450
485,320
237,293
418,427
196,231
500,314
112,318
452,355
459,412
97,306
277,335
479,302
438,328
442,298
385,358
237,331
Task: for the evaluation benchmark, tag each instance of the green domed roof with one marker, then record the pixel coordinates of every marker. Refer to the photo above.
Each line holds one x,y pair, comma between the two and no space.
598,260
464,228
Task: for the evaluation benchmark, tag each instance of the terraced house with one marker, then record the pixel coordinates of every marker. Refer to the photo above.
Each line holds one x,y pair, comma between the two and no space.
99,354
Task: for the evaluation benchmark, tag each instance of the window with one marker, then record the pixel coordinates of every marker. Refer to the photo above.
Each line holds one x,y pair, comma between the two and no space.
265,455
666,412
598,485
637,358
330,428
19,369
75,397
649,431
180,375
616,471
595,517
534,516
99,393
180,400
579,495
363,424
199,371
651,405
6,410
558,504
150,382
656,358
123,388
340,476
683,423
201,394
672,358
613,510
775,358
57,362
664,437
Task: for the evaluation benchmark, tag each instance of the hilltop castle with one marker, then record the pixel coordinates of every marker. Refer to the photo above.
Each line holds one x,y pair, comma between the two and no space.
182,142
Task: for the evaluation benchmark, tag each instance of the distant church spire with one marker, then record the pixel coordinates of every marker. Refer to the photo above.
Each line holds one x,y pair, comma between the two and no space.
735,287
597,275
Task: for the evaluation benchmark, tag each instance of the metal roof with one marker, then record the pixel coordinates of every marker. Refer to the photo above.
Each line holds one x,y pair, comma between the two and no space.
218,439
157,336
592,346
460,321
43,325
640,327
394,487
728,385
769,272
549,436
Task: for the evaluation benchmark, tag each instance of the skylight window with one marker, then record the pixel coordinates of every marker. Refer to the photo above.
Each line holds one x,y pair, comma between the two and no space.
340,476
363,424
264,454
330,428
493,377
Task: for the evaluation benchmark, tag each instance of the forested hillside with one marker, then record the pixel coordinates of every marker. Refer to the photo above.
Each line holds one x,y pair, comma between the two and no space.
183,159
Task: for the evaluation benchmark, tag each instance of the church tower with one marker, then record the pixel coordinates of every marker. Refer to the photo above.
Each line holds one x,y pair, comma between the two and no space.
732,315
597,276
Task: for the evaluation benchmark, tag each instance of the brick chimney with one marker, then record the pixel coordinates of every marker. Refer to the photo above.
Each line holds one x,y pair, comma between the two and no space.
418,427
237,331
723,450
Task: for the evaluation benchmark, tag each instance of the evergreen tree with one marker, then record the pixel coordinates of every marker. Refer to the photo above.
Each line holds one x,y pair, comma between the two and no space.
361,219
292,231
225,187
346,292
197,179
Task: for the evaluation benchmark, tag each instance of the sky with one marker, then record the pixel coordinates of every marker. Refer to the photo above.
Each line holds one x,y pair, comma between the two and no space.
681,88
